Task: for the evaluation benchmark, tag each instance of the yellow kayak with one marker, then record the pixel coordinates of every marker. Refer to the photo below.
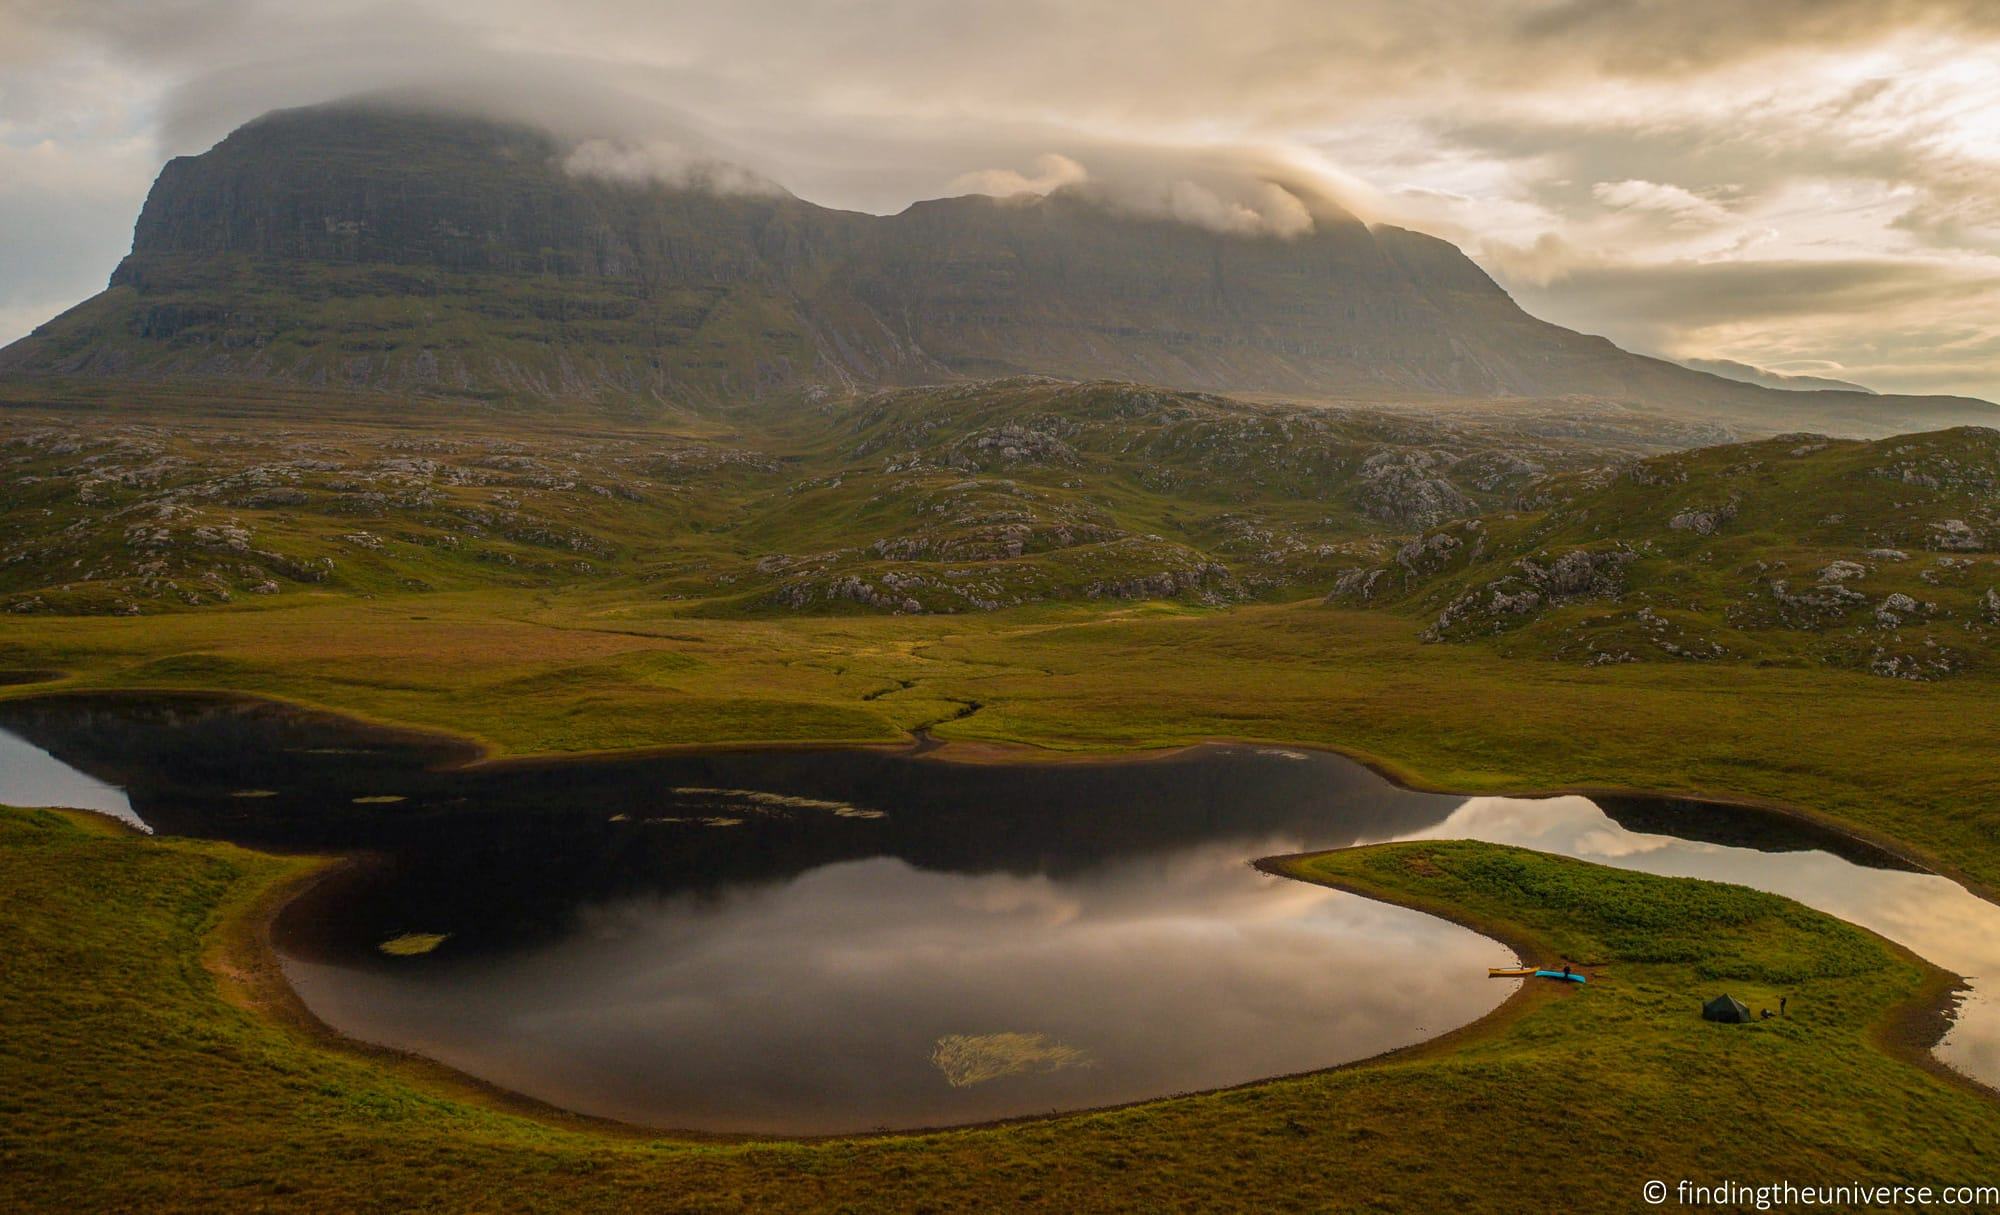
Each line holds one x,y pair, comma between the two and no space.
1510,972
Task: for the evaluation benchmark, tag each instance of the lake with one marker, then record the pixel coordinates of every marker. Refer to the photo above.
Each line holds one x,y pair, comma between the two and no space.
808,942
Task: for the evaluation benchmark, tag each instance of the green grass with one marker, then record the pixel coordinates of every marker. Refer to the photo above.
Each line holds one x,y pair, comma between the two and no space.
141,1067
133,1078
1906,763
948,499
1720,553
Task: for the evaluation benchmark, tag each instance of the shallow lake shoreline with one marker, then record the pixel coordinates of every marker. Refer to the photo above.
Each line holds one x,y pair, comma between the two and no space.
1916,1029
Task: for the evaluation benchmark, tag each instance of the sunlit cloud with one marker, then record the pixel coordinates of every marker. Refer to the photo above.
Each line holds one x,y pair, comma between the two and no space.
1050,171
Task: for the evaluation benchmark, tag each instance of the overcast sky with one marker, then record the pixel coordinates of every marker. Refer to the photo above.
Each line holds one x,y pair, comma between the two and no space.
1806,185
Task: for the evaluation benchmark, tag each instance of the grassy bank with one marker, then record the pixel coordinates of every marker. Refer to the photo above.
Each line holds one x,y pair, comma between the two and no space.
135,1077
1903,762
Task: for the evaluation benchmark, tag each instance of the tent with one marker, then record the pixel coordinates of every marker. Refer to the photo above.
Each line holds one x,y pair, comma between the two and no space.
1726,1008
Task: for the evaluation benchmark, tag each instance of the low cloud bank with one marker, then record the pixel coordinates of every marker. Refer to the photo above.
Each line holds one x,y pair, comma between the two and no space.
663,163
1226,191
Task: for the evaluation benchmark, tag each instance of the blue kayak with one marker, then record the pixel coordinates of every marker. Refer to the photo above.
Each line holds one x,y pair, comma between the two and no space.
1572,976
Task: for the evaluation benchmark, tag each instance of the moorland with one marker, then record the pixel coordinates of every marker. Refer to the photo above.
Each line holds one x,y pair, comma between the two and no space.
402,422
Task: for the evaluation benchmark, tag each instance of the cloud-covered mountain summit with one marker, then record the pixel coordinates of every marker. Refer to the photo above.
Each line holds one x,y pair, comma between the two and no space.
382,247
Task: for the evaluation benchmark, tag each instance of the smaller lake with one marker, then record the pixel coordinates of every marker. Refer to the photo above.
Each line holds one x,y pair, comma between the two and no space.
819,942
30,776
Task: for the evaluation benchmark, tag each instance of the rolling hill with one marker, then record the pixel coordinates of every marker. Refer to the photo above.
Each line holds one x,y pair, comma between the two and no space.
961,498
1875,556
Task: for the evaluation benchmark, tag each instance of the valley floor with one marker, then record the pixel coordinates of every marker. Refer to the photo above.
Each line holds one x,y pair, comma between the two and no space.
1905,764
142,1066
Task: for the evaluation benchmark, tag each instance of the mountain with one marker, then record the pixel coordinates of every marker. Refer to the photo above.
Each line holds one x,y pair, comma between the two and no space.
363,246
1730,369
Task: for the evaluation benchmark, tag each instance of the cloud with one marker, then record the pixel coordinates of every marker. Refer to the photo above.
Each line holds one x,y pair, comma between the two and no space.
1798,379
1668,37
1570,145
1051,171
1699,295
1268,209
1681,206
655,161
65,220
1896,326
1234,191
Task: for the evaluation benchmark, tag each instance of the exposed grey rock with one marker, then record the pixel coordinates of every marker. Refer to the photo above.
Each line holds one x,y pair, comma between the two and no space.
1013,444
1579,573
1535,584
1956,535
1895,607
1429,554
1946,571
1408,488
1933,662
269,499
1703,521
1164,585
1356,584
1817,604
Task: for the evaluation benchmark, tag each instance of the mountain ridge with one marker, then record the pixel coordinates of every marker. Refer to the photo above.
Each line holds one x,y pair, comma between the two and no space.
390,249
1730,369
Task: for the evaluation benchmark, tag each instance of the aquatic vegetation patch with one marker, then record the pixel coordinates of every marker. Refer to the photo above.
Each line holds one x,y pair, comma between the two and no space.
413,944
969,1059
779,802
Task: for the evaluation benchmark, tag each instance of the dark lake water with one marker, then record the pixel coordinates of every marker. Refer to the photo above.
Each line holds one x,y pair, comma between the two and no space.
810,942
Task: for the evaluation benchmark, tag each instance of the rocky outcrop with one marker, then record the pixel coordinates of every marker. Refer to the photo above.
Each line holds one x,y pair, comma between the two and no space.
1359,584
1534,585
1956,535
1703,521
1205,579
1409,489
1897,607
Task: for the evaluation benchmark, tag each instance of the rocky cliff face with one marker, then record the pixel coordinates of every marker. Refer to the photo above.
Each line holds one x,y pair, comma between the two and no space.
367,247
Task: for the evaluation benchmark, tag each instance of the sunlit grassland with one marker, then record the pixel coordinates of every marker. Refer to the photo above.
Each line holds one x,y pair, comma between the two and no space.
569,672
134,1076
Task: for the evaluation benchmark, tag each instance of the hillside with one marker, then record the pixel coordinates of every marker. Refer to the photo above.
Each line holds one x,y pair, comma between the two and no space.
1876,556
951,499
442,257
